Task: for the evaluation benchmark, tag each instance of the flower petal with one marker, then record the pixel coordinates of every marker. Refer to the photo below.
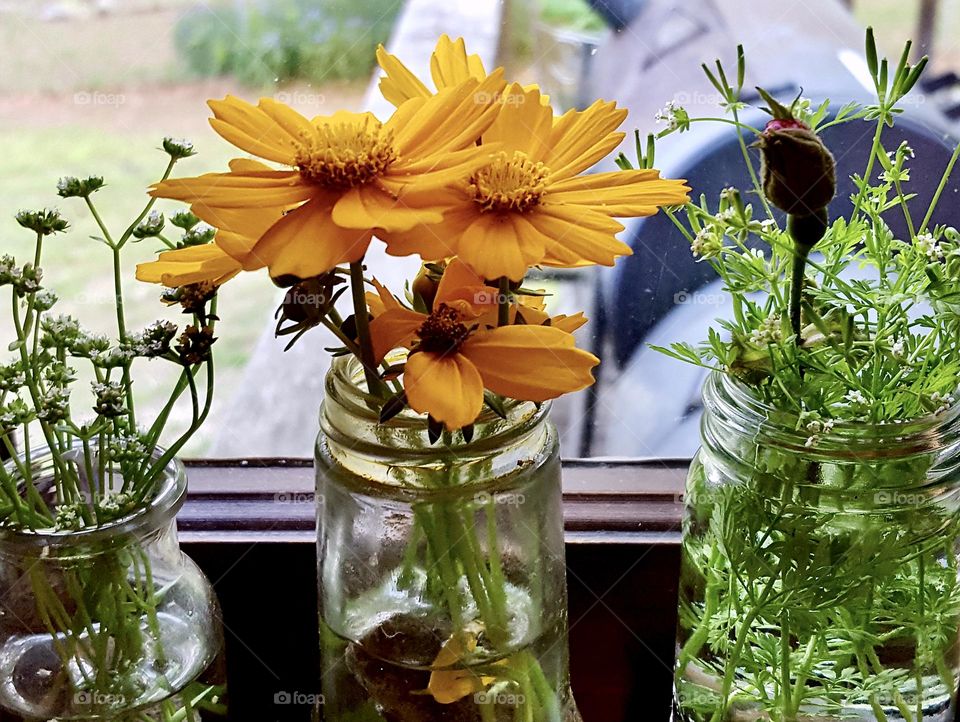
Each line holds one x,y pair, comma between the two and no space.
399,84
451,120
251,129
193,264
306,242
523,124
580,138
629,193
396,327
237,190
369,207
496,245
460,283
531,363
448,388
575,237
450,64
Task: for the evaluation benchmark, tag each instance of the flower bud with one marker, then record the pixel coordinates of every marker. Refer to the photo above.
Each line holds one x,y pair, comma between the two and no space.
109,399
309,300
195,345
150,226
425,286
45,222
178,148
70,187
184,219
799,172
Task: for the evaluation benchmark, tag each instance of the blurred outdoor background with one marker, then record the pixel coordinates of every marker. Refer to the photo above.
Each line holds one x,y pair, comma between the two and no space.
90,87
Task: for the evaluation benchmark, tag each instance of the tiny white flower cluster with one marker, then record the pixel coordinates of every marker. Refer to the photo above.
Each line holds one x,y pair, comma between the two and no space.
768,332
855,397
706,244
54,405
929,245
110,397
115,503
942,401
154,340
69,517
112,358
728,214
12,378
814,425
669,115
769,225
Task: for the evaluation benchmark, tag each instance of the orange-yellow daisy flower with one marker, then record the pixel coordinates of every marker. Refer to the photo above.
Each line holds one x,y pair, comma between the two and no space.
531,204
455,354
348,176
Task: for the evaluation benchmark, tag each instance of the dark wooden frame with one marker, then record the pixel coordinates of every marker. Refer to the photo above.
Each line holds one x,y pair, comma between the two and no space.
250,525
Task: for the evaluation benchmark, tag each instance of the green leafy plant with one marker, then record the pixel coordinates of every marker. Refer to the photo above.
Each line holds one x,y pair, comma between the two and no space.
91,465
819,558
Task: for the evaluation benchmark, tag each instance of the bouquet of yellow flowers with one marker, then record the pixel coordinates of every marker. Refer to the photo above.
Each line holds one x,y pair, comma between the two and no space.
479,179
482,182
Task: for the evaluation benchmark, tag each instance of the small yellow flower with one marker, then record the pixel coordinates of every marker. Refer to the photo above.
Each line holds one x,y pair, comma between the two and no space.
348,175
456,352
531,203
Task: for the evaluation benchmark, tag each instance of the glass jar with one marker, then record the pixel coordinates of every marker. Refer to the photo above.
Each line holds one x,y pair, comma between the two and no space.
441,566
819,567
111,622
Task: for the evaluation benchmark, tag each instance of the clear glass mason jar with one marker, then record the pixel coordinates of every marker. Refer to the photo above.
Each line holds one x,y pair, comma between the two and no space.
441,566
819,573
106,623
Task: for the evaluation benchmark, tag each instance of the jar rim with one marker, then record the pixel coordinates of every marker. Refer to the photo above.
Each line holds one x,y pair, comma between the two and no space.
161,509
344,386
743,405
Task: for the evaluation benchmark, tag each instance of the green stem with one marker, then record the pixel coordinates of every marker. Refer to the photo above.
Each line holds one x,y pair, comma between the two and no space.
362,321
798,270
503,302
870,165
940,189
754,178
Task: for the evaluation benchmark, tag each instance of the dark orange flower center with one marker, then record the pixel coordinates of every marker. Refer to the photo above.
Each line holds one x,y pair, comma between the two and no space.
510,182
346,155
443,332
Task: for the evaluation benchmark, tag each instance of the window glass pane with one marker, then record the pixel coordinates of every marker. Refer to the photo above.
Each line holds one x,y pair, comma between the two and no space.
91,87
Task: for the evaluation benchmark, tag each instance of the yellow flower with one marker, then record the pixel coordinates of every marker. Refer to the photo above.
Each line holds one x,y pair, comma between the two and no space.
456,353
531,204
348,175
450,65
